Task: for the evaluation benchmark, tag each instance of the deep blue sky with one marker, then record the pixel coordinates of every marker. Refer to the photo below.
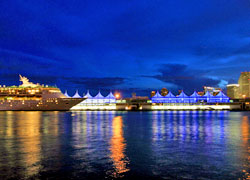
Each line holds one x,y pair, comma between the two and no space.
131,45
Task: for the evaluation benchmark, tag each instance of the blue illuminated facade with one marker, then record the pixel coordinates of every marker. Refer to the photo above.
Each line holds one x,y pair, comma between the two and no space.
194,98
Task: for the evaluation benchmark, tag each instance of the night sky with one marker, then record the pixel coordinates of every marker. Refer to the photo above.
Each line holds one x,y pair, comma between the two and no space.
127,45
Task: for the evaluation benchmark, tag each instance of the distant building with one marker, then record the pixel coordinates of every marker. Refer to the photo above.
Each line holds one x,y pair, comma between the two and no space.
164,91
152,93
201,93
233,91
136,98
244,85
213,90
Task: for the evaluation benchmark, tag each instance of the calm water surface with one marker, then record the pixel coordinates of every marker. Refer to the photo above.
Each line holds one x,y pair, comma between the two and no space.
114,145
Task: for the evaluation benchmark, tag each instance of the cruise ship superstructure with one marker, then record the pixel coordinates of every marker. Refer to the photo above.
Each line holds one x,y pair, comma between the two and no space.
30,96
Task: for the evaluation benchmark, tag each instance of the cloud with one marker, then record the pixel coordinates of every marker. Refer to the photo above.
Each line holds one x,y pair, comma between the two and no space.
185,78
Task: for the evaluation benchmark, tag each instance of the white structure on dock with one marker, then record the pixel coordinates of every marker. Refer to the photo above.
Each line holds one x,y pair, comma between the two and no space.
194,98
98,102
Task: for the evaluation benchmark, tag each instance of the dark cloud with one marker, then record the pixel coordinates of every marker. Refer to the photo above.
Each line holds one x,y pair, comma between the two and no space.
185,78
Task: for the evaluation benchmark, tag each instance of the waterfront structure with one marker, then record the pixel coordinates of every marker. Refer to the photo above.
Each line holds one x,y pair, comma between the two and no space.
220,97
169,98
76,95
244,85
194,98
233,91
158,98
66,94
201,93
98,102
30,96
213,90
110,98
98,99
89,99
182,98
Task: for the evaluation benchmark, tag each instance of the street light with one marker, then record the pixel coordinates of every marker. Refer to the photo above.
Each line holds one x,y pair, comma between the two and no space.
244,96
117,95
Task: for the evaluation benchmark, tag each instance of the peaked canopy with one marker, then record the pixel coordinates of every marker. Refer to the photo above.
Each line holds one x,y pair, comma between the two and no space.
221,95
194,98
110,96
170,95
66,94
208,95
157,95
88,95
76,95
99,96
195,95
182,95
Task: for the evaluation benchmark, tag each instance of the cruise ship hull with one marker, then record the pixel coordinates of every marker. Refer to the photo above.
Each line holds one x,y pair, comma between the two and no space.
57,104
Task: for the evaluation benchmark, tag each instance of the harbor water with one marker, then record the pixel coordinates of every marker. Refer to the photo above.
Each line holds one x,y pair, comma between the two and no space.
125,145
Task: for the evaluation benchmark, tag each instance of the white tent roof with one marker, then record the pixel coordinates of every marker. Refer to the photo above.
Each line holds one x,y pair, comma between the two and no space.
157,95
208,94
66,94
76,95
221,94
182,95
110,96
88,95
170,95
99,96
195,95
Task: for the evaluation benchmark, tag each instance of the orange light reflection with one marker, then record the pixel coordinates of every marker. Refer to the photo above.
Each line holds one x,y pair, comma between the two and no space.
245,137
117,148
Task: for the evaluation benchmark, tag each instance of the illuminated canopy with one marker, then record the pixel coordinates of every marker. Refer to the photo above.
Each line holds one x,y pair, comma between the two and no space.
76,95
182,98
194,98
110,98
221,97
195,95
99,96
99,99
207,97
88,95
157,98
66,94
170,98
170,95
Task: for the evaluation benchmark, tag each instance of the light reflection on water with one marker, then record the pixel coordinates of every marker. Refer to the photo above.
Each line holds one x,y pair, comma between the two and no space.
117,148
110,145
